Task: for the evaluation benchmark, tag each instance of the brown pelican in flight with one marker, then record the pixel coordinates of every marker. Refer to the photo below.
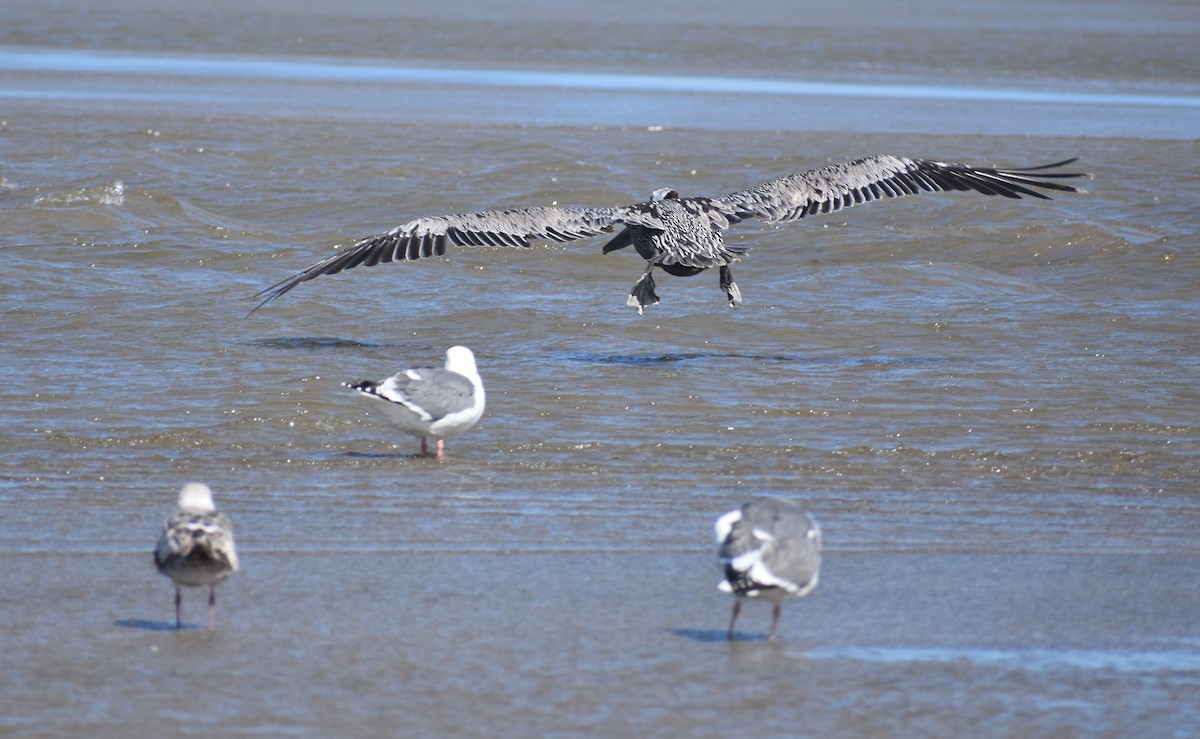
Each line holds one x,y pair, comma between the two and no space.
683,236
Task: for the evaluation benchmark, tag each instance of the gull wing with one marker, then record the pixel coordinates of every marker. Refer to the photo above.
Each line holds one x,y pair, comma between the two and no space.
432,393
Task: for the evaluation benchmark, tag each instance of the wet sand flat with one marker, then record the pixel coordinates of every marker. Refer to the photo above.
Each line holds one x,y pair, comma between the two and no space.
989,405
607,643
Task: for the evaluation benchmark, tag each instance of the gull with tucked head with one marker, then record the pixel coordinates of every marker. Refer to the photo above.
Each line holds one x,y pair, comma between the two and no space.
769,549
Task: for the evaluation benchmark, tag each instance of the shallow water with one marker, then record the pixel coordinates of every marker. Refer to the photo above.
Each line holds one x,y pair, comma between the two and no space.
990,406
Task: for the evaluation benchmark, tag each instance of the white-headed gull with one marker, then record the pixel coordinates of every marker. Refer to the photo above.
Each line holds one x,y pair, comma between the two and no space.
196,547
769,549
430,401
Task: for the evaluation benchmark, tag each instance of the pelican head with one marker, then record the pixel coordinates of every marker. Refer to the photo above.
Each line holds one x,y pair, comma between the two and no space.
664,193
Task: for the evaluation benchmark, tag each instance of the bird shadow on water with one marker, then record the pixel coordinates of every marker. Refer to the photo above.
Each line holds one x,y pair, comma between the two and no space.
316,342
641,360
712,636
142,624
387,455
352,347
646,360
332,343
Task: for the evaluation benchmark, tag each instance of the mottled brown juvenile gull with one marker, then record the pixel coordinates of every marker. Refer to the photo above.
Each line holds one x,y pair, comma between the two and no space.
682,235
430,401
770,549
196,547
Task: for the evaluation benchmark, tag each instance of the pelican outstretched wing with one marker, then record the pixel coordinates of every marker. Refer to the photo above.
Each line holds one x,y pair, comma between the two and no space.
428,237
821,190
838,186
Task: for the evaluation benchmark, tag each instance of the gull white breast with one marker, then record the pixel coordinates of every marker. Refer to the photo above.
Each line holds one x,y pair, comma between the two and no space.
430,401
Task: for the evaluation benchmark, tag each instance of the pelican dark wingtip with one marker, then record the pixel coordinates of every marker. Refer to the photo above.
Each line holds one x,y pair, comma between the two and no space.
1053,165
340,260
1042,176
1060,175
274,291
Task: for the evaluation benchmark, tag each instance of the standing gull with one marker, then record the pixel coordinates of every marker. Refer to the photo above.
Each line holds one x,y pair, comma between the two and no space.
770,549
430,401
682,235
196,547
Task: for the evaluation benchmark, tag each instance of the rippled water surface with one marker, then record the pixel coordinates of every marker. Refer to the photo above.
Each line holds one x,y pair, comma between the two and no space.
990,405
